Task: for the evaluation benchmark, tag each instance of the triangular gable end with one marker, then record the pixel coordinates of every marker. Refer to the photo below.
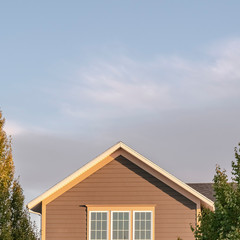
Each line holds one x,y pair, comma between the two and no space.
106,157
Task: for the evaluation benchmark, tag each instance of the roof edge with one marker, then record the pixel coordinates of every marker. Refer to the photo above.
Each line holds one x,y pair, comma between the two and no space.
108,152
72,176
168,175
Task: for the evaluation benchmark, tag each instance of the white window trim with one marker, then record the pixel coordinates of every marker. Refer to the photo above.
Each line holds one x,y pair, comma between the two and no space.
131,208
129,224
133,230
89,232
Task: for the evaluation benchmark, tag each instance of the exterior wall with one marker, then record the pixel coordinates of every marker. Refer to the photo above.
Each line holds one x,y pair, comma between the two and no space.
120,182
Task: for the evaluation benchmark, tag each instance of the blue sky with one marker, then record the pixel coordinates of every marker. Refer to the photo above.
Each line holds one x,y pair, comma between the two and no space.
78,76
45,46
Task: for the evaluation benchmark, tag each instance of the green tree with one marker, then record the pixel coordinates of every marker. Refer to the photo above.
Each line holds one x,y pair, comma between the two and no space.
6,178
21,227
15,222
224,222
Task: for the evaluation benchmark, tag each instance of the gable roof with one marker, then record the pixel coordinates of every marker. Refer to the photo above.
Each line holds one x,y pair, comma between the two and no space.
204,188
120,145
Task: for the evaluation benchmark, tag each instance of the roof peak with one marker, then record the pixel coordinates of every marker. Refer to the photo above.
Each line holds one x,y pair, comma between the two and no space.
100,158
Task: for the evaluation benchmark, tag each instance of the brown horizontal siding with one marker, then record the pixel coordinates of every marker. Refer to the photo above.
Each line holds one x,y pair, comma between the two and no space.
120,187
120,182
131,198
115,192
162,208
66,235
138,201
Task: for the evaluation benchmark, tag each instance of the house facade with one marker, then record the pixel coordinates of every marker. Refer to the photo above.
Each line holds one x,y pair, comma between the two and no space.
120,195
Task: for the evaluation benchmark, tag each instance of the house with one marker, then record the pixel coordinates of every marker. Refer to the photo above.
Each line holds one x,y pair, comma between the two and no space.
117,196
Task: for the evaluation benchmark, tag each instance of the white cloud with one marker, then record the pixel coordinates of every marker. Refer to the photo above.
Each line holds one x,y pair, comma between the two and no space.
13,128
227,64
124,85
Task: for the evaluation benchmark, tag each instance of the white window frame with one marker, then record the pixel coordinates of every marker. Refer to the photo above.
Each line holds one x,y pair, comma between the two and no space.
89,233
131,209
129,224
133,230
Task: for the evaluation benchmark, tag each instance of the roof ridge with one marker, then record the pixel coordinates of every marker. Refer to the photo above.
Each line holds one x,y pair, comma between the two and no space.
101,157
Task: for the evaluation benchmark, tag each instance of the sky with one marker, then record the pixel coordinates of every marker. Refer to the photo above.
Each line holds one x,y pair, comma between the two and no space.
76,77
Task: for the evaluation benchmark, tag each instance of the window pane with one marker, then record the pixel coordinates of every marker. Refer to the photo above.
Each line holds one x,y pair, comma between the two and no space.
98,226
114,225
126,234
98,216
148,225
126,225
98,234
120,225
104,234
142,225
104,224
93,216
93,224
148,216
148,234
136,225
114,234
92,235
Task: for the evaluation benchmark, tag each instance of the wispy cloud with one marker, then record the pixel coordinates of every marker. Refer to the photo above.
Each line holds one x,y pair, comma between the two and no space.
125,85
227,65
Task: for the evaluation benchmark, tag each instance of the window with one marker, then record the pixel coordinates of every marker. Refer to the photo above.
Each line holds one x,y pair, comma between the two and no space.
121,222
98,225
142,225
120,225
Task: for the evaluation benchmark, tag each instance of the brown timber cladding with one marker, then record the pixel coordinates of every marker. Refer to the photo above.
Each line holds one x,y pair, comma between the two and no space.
120,182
